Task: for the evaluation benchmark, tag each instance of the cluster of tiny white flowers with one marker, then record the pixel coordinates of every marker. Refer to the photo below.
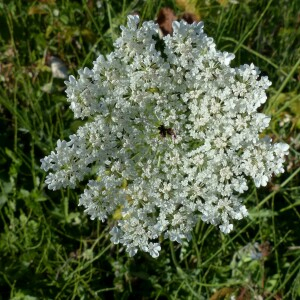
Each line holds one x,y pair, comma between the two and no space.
172,136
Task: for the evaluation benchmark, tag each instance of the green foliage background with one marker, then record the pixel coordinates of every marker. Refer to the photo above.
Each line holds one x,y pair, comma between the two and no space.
49,249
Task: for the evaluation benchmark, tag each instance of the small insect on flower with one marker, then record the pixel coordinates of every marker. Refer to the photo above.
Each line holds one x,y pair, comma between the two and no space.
163,131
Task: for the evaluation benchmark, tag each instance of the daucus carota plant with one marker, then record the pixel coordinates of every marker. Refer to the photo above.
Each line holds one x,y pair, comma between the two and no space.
172,136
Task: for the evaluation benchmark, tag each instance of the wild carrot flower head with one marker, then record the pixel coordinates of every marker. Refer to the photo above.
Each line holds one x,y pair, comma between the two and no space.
172,136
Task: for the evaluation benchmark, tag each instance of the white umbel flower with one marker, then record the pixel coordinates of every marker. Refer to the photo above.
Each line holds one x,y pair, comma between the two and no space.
173,134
